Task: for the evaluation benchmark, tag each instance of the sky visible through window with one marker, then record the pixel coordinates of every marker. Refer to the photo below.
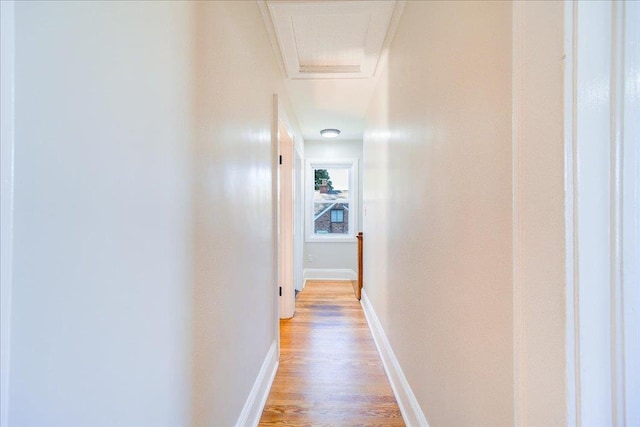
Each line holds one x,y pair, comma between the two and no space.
339,178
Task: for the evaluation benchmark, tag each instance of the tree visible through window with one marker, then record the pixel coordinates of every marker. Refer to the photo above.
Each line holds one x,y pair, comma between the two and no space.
322,178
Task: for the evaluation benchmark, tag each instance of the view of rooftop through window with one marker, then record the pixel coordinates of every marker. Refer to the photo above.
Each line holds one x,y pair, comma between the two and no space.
331,201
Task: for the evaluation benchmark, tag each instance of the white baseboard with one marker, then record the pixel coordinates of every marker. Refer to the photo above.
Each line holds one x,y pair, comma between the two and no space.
411,411
329,274
253,407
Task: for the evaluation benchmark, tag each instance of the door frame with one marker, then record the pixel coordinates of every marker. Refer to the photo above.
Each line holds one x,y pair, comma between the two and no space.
602,198
7,147
286,221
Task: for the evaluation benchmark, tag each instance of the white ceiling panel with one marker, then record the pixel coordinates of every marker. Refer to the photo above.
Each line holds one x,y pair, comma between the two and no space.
330,50
330,39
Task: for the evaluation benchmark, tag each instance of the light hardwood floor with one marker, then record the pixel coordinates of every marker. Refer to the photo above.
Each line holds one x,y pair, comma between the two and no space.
330,372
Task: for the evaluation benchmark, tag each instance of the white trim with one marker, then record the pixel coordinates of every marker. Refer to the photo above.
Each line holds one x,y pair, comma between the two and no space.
631,213
275,213
268,23
409,406
298,233
394,22
331,239
616,303
253,407
601,134
592,168
572,369
7,136
329,274
286,215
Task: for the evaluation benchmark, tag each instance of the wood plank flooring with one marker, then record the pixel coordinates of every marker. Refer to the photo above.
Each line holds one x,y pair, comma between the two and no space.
330,373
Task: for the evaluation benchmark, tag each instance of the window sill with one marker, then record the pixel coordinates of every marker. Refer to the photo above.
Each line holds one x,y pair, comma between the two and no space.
331,239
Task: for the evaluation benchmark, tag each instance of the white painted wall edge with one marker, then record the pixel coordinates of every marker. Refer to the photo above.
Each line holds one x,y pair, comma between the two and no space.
570,292
598,379
7,145
329,274
253,407
268,23
275,212
631,214
409,406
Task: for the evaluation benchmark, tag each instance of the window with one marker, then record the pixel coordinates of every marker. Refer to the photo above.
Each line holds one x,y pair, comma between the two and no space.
331,198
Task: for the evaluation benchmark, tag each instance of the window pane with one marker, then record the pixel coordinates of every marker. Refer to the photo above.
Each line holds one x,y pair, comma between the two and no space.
337,215
331,199
331,185
333,219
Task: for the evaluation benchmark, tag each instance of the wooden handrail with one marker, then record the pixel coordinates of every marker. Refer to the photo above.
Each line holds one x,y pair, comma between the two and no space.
358,288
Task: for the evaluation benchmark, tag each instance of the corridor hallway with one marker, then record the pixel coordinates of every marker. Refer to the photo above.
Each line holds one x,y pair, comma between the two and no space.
330,372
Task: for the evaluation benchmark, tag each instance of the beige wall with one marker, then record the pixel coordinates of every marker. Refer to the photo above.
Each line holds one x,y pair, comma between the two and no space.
539,222
437,195
234,318
471,296
143,270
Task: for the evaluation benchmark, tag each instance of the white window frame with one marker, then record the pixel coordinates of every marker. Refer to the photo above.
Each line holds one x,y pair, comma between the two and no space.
311,165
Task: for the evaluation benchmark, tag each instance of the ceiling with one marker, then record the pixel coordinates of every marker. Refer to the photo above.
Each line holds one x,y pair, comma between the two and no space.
329,52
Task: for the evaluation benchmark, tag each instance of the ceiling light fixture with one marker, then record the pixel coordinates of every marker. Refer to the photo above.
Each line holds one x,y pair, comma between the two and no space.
329,133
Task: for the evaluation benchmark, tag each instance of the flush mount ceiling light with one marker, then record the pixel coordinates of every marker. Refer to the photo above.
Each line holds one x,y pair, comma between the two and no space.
329,133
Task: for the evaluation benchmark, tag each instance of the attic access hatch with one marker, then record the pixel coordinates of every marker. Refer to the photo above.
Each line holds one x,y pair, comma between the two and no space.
330,39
